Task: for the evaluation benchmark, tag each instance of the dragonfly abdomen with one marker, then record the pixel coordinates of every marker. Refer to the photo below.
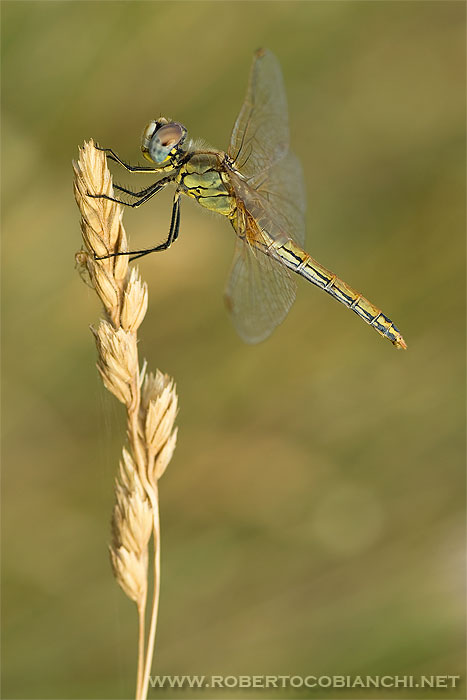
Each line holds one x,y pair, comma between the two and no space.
303,264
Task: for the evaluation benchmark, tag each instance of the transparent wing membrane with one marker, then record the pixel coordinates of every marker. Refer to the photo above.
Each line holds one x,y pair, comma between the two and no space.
259,292
282,191
261,132
260,289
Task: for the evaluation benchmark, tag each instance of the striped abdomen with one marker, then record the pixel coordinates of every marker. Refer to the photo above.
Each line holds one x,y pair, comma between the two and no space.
303,264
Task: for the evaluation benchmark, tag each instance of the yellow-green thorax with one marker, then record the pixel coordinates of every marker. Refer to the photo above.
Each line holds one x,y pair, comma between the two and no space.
203,178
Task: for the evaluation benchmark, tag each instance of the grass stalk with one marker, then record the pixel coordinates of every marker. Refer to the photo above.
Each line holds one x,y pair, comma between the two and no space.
150,399
141,644
155,599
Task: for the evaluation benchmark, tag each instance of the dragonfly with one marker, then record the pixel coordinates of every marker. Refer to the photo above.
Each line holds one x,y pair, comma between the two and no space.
258,185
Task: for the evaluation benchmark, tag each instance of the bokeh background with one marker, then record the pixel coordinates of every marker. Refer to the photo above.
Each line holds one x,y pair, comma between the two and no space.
313,513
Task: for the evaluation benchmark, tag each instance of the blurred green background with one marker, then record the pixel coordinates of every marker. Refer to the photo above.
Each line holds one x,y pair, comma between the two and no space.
313,513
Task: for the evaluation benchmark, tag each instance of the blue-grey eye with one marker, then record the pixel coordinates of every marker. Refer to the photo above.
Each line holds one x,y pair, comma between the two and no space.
158,142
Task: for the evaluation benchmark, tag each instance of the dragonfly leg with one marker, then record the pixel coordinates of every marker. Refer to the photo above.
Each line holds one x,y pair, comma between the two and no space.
141,193
175,225
144,195
111,155
173,232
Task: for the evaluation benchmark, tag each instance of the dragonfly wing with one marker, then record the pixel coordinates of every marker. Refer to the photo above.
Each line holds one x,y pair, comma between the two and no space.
282,190
259,292
259,147
260,136
268,182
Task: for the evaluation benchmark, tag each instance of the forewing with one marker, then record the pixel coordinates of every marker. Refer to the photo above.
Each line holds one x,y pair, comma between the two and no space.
259,292
260,136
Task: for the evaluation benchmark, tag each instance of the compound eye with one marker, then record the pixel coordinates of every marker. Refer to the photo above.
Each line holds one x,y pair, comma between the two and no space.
164,140
170,135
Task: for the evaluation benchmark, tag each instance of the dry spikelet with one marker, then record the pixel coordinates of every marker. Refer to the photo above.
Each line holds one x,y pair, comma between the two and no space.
130,573
132,518
160,418
131,529
105,286
153,386
118,359
159,409
163,458
135,302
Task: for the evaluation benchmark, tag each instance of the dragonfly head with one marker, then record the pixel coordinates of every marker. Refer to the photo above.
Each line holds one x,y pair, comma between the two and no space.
162,142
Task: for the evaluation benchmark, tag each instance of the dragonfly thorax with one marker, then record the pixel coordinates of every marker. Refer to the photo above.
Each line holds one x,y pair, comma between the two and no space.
162,142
